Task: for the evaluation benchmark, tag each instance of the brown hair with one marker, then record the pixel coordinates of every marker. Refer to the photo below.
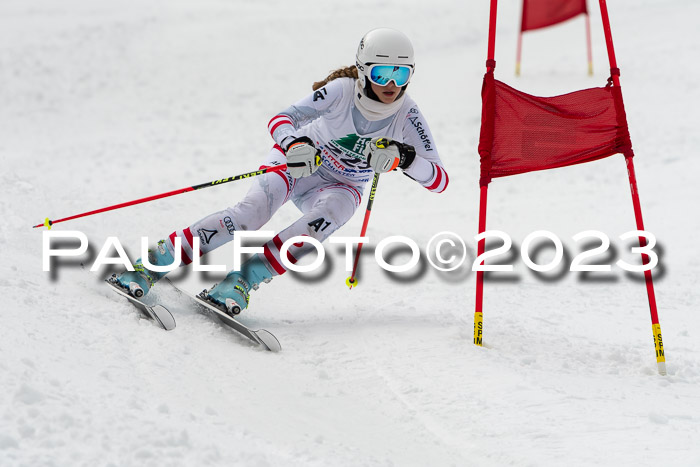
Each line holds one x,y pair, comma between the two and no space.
347,72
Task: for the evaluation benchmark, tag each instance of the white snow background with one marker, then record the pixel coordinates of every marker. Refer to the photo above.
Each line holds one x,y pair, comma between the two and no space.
104,102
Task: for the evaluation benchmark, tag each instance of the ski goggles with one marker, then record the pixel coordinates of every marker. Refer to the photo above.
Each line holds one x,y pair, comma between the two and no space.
383,74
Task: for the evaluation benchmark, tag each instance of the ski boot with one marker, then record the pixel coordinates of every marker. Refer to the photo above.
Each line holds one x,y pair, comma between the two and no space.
233,293
139,281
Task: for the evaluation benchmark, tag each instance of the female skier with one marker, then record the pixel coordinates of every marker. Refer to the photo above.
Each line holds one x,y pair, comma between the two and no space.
329,141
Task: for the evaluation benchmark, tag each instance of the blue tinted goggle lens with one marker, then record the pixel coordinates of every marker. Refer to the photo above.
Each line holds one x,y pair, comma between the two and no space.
382,74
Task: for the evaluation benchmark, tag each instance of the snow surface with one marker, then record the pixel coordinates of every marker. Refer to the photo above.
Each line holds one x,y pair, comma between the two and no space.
104,102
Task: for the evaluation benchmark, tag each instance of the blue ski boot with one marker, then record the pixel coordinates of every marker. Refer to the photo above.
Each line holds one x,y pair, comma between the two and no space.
232,294
139,281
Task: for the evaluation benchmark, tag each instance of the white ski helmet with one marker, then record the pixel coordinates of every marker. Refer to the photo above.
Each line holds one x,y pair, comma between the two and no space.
385,46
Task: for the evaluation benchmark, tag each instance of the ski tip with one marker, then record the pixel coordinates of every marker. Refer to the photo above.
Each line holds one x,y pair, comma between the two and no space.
269,340
165,318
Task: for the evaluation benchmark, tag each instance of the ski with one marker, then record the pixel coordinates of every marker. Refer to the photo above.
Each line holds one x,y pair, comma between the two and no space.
157,313
260,337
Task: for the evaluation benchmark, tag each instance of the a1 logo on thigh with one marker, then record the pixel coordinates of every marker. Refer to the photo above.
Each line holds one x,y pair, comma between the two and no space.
319,224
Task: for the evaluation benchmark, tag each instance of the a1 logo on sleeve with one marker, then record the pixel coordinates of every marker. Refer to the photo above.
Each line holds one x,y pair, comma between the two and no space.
320,94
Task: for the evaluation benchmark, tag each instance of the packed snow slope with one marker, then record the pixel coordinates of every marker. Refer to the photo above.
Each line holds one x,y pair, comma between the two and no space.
104,102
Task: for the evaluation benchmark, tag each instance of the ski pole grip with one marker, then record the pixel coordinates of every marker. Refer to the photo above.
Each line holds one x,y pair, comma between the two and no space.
382,143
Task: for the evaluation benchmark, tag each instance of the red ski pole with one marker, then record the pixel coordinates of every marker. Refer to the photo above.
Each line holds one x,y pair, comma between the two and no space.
352,280
48,223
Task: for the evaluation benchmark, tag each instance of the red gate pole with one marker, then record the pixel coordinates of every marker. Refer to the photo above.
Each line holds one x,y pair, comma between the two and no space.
588,44
492,32
518,52
655,326
478,308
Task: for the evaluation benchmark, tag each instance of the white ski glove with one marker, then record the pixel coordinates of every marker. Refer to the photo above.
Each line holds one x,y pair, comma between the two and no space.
385,155
303,159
